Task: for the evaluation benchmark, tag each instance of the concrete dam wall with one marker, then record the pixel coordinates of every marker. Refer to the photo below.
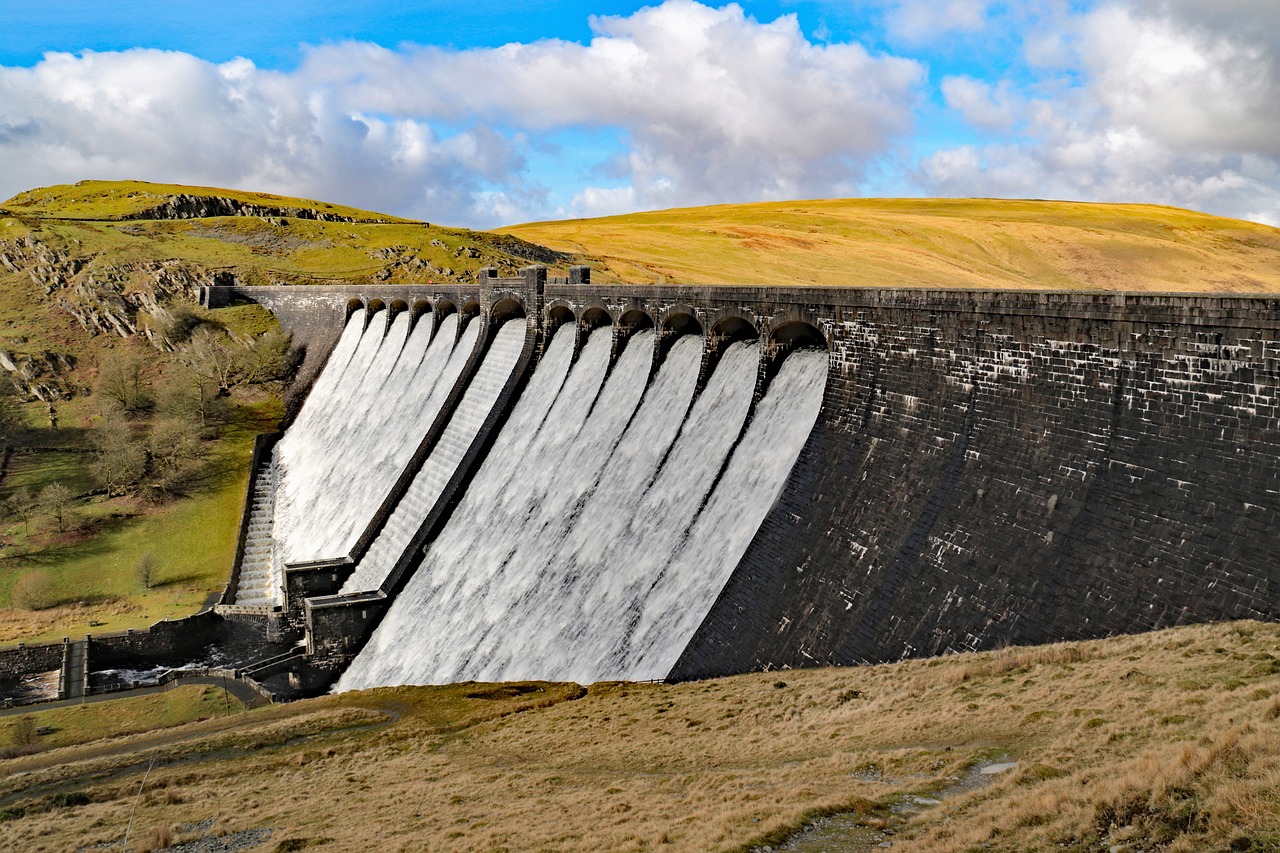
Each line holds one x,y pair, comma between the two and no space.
656,482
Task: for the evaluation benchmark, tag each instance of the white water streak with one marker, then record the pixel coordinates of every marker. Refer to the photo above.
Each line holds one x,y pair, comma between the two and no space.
572,596
429,483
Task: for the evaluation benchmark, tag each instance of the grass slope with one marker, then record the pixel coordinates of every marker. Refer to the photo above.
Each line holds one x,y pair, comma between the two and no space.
1164,741
128,199
980,243
73,255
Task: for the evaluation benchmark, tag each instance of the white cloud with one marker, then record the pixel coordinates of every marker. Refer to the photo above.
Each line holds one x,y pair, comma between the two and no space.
923,21
712,105
983,105
1175,104
717,106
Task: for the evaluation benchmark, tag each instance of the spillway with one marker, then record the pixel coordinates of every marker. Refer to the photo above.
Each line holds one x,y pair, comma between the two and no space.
439,467
375,424
596,554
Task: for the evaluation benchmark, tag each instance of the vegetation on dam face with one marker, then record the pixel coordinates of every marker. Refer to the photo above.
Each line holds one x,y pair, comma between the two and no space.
1165,741
977,243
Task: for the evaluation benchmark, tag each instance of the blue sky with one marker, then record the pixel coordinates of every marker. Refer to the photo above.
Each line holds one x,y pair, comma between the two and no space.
484,114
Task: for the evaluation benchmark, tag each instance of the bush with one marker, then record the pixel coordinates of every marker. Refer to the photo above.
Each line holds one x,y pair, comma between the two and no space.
24,730
33,591
145,569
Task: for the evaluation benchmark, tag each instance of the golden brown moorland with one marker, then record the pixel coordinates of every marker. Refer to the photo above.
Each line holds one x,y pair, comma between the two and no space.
973,243
1162,741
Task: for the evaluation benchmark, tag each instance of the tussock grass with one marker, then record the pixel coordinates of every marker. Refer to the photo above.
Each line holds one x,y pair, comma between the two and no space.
984,243
1168,741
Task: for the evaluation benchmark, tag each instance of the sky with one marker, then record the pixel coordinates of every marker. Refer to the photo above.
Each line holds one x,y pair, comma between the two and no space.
481,114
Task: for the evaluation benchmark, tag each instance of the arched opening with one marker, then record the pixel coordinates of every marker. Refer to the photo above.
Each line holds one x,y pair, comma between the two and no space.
673,328
635,320
420,307
506,309
797,334
444,308
557,316
732,329
595,318
681,324
397,307
788,337
371,311
353,305
469,309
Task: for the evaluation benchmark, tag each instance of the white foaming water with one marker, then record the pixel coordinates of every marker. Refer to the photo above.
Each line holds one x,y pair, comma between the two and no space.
682,595
315,522
429,483
376,407
573,604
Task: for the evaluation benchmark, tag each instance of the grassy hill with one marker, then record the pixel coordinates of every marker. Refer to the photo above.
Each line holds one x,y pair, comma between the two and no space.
104,273
1166,741
977,243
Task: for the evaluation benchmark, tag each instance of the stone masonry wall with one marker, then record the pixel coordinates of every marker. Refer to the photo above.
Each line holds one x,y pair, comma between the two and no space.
993,467
1019,469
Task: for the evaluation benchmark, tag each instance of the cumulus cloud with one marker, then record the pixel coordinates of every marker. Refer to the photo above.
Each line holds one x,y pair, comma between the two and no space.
922,21
712,105
716,105
1175,104
170,116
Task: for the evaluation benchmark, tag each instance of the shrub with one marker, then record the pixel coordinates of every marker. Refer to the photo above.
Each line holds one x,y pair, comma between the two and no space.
34,591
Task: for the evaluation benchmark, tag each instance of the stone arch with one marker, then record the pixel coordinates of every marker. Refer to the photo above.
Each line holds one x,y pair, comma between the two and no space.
506,309
786,337
797,334
354,304
469,309
634,321
595,318
558,314
419,308
396,308
734,328
444,308
674,326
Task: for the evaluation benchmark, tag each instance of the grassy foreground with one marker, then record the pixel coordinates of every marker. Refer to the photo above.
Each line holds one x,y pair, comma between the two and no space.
982,243
1164,741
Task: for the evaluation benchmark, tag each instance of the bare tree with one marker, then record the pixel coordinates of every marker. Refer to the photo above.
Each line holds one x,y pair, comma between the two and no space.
55,501
121,459
121,382
24,505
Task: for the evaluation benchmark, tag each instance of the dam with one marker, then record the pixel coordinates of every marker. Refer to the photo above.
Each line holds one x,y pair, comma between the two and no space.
534,478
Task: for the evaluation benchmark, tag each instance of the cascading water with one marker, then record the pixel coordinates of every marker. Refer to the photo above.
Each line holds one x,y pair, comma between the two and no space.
614,565
326,512
434,475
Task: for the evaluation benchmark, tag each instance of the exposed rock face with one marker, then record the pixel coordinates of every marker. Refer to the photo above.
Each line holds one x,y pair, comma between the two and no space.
200,207
103,297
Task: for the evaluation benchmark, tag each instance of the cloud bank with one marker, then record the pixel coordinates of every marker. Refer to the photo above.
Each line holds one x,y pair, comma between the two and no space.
711,104
1166,101
1163,101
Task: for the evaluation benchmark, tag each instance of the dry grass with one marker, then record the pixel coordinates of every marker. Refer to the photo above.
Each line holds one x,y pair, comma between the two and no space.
981,243
1160,741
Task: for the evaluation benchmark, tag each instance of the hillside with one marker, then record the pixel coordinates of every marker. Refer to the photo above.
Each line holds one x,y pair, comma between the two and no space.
108,259
976,243
1167,741
103,277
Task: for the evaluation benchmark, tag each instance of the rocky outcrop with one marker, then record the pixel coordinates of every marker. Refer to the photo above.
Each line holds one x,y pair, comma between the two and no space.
201,207
105,298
